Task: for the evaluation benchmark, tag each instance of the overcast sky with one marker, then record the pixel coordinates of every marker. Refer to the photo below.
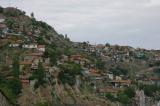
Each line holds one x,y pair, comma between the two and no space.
125,22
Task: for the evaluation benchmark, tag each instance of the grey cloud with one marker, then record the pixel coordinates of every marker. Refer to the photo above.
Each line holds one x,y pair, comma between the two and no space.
126,22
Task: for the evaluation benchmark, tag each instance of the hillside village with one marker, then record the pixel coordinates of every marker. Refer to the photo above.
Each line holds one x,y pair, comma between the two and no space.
50,70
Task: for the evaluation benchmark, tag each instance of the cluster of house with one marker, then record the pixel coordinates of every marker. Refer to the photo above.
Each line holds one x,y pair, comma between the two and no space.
117,53
14,39
17,29
78,59
149,81
108,53
30,59
30,62
141,99
95,77
3,27
114,84
111,83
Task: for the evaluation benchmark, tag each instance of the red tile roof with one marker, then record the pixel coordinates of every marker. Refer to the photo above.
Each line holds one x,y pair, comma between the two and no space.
108,90
25,63
2,25
75,57
41,46
24,81
35,54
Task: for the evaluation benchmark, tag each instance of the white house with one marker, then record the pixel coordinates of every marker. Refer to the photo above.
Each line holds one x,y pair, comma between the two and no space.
118,78
41,48
30,46
34,46
14,45
2,20
110,76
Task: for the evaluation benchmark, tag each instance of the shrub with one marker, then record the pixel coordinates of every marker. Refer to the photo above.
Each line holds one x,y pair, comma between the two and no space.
10,23
123,98
39,75
15,85
149,90
119,71
130,92
110,97
68,73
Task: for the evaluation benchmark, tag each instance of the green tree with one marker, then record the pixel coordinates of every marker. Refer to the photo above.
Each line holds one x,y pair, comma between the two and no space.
123,98
54,54
10,23
130,92
40,40
15,85
100,64
16,67
68,51
150,90
32,15
69,72
71,68
110,97
107,44
42,104
39,75
119,70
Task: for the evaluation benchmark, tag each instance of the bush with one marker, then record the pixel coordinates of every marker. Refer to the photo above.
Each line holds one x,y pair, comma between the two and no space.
16,67
123,98
130,92
10,23
39,75
71,68
149,90
66,78
42,104
110,97
69,72
126,96
11,88
13,12
40,40
119,71
100,64
68,52
15,85
8,93
53,53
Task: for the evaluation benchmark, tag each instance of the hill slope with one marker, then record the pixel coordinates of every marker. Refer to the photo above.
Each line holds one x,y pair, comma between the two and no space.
39,67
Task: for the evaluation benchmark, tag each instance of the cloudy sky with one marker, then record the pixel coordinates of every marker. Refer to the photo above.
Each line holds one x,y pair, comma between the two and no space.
125,22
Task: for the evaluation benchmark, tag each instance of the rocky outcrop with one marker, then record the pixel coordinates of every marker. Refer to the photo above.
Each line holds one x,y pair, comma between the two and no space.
3,100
